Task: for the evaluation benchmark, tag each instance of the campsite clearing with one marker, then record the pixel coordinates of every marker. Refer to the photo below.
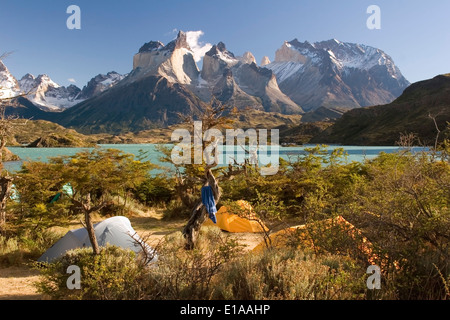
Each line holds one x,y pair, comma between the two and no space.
16,283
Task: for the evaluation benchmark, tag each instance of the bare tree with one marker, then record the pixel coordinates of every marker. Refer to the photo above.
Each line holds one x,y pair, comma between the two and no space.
212,116
199,213
438,131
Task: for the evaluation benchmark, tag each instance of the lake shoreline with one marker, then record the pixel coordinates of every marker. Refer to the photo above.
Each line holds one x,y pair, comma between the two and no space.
354,153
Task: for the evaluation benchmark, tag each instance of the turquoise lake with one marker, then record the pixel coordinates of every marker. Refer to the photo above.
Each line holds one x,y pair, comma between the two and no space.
355,153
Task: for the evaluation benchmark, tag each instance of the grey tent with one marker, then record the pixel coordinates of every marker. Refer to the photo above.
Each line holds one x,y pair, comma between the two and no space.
116,231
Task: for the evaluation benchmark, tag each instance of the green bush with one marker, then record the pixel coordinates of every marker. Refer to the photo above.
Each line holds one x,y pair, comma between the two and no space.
290,275
114,274
20,249
154,190
117,274
403,207
10,253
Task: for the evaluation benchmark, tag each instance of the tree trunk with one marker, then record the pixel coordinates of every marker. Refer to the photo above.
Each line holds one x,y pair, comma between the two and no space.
199,214
5,190
90,226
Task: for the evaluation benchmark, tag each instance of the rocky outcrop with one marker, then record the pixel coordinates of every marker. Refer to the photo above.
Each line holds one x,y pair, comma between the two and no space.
262,83
265,61
248,58
99,84
216,62
323,114
241,83
58,141
175,61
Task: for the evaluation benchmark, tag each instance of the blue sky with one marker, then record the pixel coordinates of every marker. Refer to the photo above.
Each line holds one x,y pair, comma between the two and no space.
416,34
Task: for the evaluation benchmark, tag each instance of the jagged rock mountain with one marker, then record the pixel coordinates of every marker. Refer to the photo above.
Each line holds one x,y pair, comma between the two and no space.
100,83
151,95
230,79
336,74
240,82
175,61
265,61
9,86
150,102
11,96
48,95
247,58
166,81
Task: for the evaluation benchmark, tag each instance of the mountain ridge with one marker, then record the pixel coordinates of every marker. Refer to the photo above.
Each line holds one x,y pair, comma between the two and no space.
408,114
165,80
336,74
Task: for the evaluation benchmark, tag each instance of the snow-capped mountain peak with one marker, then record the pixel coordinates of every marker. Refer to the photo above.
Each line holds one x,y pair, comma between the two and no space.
9,87
100,83
47,94
220,52
331,69
50,96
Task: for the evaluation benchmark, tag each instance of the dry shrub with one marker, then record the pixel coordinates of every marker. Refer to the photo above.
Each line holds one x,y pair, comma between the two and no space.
10,253
118,274
190,274
114,274
290,275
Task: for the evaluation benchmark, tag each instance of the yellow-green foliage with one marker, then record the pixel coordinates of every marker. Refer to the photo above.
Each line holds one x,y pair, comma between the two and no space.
114,274
99,174
119,274
27,245
10,253
399,203
290,275
193,274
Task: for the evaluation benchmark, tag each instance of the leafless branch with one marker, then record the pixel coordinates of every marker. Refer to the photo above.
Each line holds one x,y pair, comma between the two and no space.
436,142
149,254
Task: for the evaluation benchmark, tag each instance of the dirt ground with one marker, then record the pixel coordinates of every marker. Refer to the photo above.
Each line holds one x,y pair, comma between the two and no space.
16,283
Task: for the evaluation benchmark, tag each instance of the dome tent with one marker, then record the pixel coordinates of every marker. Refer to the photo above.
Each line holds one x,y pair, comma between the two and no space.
116,231
333,228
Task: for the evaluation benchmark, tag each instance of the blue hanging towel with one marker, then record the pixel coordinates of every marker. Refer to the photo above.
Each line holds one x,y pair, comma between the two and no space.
209,202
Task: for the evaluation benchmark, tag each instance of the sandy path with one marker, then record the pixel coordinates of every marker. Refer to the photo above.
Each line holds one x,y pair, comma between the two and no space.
16,283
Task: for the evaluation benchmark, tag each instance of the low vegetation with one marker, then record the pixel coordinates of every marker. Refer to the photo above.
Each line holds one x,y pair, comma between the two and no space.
394,211
35,133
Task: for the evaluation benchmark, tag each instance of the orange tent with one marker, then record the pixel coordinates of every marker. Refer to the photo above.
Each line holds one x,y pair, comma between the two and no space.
245,222
335,227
